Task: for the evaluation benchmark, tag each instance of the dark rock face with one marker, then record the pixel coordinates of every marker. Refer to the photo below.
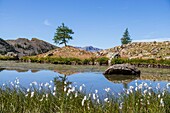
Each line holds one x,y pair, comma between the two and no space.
32,47
124,69
5,47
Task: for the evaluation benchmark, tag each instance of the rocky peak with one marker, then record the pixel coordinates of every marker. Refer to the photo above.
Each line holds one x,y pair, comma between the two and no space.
27,47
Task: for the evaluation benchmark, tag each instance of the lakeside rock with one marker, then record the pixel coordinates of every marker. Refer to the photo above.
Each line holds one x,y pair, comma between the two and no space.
124,69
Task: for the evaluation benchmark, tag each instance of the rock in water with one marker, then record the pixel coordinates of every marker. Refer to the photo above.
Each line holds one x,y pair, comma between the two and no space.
125,69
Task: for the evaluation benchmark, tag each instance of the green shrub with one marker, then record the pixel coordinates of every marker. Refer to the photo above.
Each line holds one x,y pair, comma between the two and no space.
102,61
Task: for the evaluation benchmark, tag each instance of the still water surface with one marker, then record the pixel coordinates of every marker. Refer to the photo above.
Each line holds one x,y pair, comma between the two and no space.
92,80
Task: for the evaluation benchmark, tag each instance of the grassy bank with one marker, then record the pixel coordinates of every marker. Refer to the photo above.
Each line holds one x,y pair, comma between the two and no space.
61,96
142,61
92,61
96,61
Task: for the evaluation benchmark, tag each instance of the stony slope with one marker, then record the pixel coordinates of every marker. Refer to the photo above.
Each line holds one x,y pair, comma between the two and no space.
27,47
144,50
68,52
5,47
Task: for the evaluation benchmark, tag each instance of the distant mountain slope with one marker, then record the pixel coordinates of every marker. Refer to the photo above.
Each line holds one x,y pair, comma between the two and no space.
90,48
5,47
144,50
27,47
68,52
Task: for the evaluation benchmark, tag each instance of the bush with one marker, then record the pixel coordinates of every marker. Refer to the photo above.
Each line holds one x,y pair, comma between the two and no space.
102,61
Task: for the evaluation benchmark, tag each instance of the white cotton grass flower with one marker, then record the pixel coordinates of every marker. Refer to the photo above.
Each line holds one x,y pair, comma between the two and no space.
136,84
54,88
96,91
50,86
65,88
28,90
83,85
145,91
68,92
51,81
161,102
130,90
35,83
98,101
149,93
12,83
145,84
3,84
54,93
89,95
41,84
40,88
136,88
46,84
140,86
32,94
107,89
80,88
158,86
131,87
149,88
46,95
30,84
26,95
85,98
41,99
76,94
106,99
121,105
159,96
94,96
70,85
65,82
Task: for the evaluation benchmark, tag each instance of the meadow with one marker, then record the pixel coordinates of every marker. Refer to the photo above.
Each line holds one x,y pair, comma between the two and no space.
60,95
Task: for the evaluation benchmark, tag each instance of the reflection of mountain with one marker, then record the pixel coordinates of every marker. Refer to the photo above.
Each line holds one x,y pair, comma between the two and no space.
18,70
66,72
34,71
1,69
121,78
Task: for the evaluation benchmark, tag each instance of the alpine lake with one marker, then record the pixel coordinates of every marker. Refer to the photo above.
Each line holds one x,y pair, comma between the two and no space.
91,77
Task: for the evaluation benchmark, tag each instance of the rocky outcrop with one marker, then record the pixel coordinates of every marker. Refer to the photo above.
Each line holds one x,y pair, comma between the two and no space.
32,47
144,50
124,69
5,47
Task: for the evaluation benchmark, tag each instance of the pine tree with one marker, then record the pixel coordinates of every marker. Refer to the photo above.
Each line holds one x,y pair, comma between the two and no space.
126,37
63,35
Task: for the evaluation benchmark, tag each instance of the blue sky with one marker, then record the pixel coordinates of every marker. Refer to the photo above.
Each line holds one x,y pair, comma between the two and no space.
99,23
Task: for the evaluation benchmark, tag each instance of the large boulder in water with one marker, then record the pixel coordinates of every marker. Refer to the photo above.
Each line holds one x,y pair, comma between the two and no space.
124,69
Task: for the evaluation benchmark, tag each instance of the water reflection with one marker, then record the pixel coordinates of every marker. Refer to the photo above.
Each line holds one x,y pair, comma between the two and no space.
92,80
124,79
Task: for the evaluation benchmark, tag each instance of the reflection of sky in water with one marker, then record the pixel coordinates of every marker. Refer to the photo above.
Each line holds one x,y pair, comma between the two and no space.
91,80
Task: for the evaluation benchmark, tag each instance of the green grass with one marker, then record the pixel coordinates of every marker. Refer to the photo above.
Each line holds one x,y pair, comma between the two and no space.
141,61
64,98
